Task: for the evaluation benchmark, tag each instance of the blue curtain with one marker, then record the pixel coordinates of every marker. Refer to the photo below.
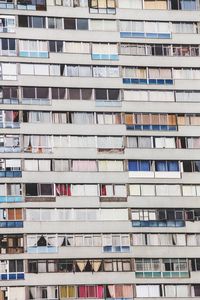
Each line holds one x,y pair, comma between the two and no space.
132,165
188,4
173,166
139,165
197,165
164,166
161,166
145,165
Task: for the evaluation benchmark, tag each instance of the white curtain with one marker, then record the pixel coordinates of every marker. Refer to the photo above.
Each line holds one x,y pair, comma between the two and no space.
120,190
44,165
41,69
153,239
134,189
191,240
131,95
61,165
13,163
109,142
9,71
162,190
54,70
166,239
147,190
77,190
170,291
91,190
82,118
138,239
136,4
183,291
33,214
125,25
30,165
189,190
26,69
110,166
114,214
161,96
181,239
96,25
142,291
110,25
154,291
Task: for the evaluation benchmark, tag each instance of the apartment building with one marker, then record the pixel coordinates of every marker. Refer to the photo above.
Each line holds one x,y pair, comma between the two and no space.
100,149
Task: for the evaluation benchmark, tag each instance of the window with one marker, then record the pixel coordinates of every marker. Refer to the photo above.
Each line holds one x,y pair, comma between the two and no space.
183,4
182,27
132,49
33,48
105,71
56,46
31,95
109,118
37,144
105,94
80,94
36,189
7,4
37,165
110,166
155,4
109,190
116,243
76,47
139,142
159,218
70,23
191,166
11,244
7,47
166,166
137,4
61,165
9,143
82,118
10,168
7,24
144,291
82,24
43,292
75,24
105,51
33,4
103,25
108,142
58,93
139,165
8,71
55,23
151,121
34,117
72,3
130,29
31,21
84,165
102,6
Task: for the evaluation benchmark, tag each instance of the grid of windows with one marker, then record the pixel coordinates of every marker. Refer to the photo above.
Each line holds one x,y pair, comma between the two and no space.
99,144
